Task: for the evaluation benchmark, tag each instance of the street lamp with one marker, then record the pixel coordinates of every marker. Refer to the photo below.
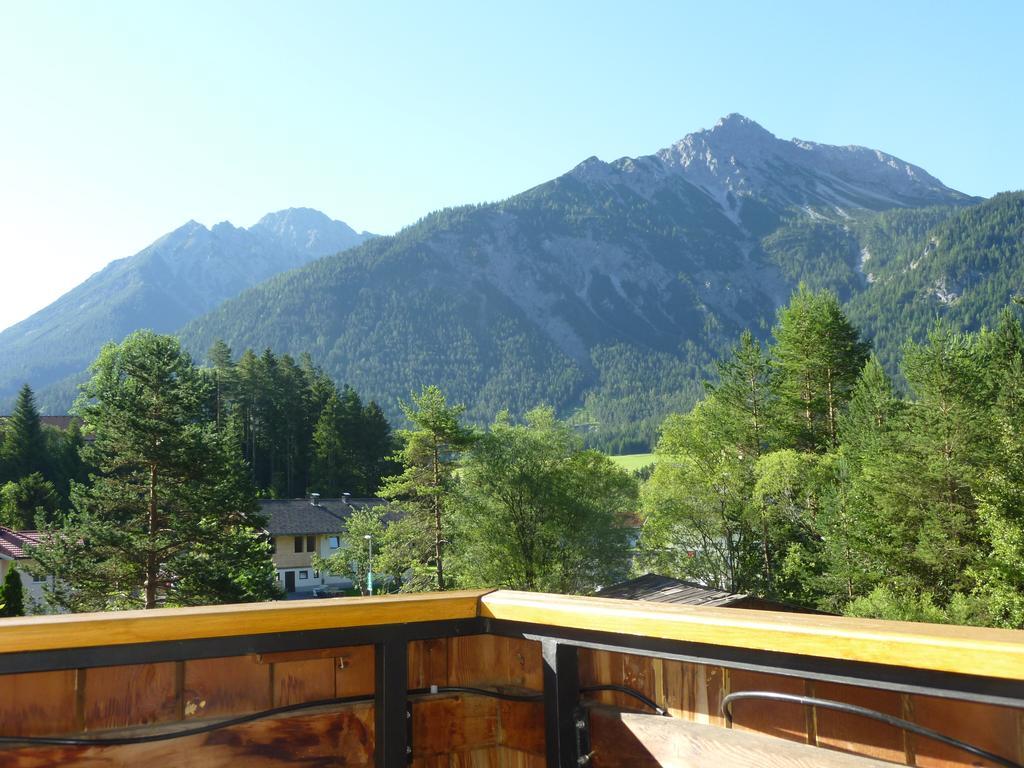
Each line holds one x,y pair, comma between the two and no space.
369,570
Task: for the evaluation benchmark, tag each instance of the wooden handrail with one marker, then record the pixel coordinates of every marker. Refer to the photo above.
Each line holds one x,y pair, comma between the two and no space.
936,647
87,630
968,650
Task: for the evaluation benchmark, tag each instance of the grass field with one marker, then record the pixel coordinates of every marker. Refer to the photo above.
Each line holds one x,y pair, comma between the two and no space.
634,461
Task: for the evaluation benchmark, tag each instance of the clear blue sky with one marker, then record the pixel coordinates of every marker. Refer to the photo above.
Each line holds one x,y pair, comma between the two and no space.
122,120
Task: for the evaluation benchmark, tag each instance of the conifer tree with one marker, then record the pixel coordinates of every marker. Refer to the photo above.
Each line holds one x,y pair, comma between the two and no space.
818,355
24,450
428,458
170,518
12,594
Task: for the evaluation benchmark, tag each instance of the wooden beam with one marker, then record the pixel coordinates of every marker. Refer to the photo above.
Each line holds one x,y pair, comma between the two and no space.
935,647
87,630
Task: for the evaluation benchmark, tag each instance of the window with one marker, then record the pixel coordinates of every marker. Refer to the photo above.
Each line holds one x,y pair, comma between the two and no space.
316,574
273,545
303,574
278,575
298,543
38,579
311,543
333,542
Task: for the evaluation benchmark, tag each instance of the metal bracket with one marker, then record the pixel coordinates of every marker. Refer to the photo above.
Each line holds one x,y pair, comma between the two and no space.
582,722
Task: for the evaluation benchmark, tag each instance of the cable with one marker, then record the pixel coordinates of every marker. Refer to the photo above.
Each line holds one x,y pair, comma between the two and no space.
121,741
853,709
57,741
629,692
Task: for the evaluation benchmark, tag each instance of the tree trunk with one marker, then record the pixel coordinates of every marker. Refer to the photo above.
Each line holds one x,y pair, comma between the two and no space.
438,554
152,566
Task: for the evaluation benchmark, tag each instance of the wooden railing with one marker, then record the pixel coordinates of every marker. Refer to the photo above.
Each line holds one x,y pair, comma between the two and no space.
361,659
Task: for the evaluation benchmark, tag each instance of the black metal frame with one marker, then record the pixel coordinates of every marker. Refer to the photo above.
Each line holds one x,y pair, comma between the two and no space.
566,743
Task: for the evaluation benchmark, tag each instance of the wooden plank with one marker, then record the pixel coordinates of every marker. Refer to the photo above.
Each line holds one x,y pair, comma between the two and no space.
354,673
445,724
859,735
318,739
428,663
38,703
521,726
784,721
296,682
514,758
999,652
135,694
492,660
37,633
994,729
226,686
632,740
610,668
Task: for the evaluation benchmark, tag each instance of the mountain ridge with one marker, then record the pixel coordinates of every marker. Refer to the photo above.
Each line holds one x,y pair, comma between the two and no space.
182,274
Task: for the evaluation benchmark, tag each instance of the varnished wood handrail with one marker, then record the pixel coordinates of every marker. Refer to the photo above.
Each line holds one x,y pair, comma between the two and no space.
88,630
937,647
968,650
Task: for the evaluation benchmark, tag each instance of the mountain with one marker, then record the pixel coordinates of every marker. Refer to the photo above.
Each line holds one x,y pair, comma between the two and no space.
606,292
179,277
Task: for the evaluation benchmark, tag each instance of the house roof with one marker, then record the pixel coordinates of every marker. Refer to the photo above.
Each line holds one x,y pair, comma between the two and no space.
301,516
13,543
664,589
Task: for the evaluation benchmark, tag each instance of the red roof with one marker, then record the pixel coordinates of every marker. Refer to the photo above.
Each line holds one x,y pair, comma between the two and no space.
13,543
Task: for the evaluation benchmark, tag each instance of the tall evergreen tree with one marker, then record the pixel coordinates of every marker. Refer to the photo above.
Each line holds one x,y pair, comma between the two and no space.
170,518
428,458
818,355
24,450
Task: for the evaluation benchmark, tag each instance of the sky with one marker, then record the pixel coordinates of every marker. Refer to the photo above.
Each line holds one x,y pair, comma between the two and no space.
120,121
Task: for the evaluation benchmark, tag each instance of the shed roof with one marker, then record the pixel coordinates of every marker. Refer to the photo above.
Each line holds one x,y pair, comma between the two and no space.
664,589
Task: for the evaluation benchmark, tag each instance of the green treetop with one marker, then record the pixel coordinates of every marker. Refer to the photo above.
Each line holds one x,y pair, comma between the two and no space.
170,517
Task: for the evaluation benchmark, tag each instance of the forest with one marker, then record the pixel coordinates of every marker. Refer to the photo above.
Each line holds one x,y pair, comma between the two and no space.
806,476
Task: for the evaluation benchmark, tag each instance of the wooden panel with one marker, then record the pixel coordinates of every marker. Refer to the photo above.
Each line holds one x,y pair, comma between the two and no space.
137,694
446,724
492,660
921,646
38,703
317,739
859,735
694,691
606,667
994,729
521,726
226,686
786,721
428,663
514,758
632,740
37,633
296,682
355,671
477,758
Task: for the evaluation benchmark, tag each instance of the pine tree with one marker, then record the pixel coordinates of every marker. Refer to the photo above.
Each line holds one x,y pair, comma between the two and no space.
818,355
423,488
744,398
12,595
24,450
170,518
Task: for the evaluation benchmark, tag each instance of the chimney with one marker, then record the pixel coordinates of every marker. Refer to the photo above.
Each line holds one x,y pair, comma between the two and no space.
314,499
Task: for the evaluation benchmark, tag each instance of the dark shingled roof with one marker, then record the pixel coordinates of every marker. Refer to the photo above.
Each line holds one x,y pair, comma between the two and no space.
664,589
300,516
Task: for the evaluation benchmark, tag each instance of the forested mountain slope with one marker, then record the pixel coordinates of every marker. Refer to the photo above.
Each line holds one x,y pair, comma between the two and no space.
605,292
179,277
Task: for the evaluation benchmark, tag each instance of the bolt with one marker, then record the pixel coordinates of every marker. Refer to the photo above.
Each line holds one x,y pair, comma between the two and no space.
583,760
580,725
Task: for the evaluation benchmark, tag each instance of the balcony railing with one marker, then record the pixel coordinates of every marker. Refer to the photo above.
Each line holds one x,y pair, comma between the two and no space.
500,679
